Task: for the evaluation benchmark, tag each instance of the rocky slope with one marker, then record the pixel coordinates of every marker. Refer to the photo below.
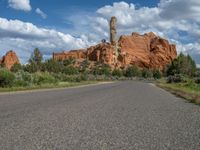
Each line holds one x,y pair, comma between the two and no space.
9,59
145,51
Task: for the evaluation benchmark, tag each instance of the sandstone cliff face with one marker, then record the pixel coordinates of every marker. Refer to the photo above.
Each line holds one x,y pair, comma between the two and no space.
148,50
144,51
9,59
103,53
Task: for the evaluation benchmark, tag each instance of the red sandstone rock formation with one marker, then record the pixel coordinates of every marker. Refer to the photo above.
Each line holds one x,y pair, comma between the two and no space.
148,50
76,54
145,51
9,59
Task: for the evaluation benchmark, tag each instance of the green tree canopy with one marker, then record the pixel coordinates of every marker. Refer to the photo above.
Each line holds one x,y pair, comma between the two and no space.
35,62
182,65
36,57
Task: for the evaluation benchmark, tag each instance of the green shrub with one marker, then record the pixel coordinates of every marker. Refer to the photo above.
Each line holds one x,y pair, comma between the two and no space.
146,73
117,73
132,71
52,66
31,68
197,73
175,79
70,61
72,78
70,70
23,79
197,80
101,70
16,67
28,77
84,66
6,78
84,77
59,76
21,83
157,74
44,78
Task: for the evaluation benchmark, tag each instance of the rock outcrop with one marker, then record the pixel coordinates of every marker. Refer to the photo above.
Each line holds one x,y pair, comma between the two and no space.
145,51
9,59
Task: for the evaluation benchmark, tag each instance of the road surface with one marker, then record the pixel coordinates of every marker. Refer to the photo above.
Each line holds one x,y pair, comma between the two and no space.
126,115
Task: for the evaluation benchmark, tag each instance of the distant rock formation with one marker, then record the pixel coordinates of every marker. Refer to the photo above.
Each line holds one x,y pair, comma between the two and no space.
145,51
9,59
76,54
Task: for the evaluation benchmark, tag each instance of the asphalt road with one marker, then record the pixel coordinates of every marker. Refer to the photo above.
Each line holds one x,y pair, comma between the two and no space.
127,115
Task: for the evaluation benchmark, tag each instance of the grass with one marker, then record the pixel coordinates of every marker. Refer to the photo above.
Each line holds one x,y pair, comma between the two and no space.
48,86
187,90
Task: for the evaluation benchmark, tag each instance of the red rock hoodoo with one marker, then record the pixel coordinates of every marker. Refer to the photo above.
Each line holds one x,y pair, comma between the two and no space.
145,51
9,59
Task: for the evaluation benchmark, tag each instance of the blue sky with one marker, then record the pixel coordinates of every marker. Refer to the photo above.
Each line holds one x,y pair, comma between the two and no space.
58,10
63,25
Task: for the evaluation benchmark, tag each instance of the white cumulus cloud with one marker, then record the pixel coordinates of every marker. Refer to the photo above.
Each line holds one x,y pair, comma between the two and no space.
41,13
20,4
24,37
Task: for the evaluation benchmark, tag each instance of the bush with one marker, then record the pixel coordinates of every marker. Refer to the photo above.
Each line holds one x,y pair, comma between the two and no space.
101,70
72,78
21,83
157,74
84,77
84,66
52,66
175,79
16,67
117,73
146,73
23,79
197,80
59,76
43,78
6,78
31,68
70,70
197,73
70,61
132,71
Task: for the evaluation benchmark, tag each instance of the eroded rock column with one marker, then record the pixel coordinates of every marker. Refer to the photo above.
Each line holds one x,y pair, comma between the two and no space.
113,31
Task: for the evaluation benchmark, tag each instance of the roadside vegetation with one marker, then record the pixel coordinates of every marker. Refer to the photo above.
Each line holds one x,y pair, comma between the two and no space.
180,77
